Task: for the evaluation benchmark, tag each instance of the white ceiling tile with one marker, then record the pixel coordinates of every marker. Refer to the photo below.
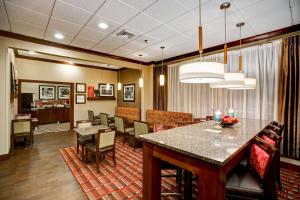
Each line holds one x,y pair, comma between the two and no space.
89,5
63,27
117,11
83,43
113,42
138,4
184,22
4,25
165,10
141,40
244,4
91,34
296,13
70,13
50,36
96,20
104,48
28,29
41,6
28,16
143,23
163,32
134,46
122,51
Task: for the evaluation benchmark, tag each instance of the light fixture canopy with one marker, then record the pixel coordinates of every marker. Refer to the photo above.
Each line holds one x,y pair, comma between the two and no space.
59,36
201,72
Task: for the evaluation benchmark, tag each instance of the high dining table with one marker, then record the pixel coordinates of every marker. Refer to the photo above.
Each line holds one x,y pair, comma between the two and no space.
203,149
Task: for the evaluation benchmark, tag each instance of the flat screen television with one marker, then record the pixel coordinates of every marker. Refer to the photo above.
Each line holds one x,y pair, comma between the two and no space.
26,100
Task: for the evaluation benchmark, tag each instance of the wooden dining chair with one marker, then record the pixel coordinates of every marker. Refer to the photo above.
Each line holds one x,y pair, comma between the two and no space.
92,118
140,128
122,129
21,128
258,179
105,144
83,140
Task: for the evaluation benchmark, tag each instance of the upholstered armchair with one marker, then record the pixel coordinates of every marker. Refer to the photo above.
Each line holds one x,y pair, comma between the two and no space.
21,128
122,129
105,121
83,140
140,128
105,144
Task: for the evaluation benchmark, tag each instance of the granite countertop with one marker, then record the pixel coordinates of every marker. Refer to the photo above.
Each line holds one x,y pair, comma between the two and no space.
206,141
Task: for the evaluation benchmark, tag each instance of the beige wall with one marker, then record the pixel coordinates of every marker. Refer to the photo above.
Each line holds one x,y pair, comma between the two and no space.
147,91
129,76
37,70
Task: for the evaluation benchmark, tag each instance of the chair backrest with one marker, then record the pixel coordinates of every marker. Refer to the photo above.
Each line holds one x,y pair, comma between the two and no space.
140,128
276,127
21,126
104,119
90,115
84,124
105,139
270,137
120,125
263,160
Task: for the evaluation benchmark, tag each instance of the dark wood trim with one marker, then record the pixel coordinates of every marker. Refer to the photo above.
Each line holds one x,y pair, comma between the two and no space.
4,157
100,98
64,46
289,166
20,81
252,39
61,62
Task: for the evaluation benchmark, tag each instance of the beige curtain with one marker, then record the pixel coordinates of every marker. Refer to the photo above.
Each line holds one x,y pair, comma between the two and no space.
260,62
289,96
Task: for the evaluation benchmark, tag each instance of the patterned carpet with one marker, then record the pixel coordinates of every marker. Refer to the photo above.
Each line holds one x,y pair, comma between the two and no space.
52,128
125,180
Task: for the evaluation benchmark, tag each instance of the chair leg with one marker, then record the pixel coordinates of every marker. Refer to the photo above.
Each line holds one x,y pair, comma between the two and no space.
114,158
278,178
77,147
82,151
124,138
134,144
97,162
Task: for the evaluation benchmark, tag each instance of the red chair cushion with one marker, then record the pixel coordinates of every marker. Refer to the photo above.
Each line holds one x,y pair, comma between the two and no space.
268,140
258,159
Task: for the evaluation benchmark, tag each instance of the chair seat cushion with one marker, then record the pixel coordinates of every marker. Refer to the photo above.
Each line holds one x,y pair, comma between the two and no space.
85,139
128,130
92,147
241,182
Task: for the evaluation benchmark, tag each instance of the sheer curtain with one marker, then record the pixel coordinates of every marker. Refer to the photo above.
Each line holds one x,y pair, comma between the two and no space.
260,62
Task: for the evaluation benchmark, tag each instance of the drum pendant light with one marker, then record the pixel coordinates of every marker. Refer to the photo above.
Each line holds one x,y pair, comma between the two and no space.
119,83
201,72
162,76
250,83
230,79
141,80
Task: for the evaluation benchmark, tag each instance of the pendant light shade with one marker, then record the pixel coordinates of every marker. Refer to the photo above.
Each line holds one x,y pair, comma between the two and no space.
119,83
141,80
231,80
162,76
250,84
107,86
201,72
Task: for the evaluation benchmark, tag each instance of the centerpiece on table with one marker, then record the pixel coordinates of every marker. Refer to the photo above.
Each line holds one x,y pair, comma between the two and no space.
229,120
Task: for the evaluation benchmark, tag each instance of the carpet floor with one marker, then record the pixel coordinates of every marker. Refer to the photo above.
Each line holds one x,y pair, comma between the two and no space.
125,180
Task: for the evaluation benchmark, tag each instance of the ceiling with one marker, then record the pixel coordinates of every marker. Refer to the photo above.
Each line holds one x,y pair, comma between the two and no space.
169,23
67,60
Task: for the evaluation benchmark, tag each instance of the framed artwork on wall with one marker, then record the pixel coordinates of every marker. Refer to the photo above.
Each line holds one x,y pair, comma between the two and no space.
129,92
80,88
46,92
63,92
80,99
104,92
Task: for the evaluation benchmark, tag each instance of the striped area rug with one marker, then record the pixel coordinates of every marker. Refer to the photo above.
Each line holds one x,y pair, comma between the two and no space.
125,180
52,128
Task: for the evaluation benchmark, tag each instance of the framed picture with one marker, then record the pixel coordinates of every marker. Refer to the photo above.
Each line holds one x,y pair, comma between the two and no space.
129,92
80,99
80,87
63,92
104,92
46,92
13,79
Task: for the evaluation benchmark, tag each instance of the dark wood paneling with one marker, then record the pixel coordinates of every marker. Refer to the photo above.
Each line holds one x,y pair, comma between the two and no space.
64,46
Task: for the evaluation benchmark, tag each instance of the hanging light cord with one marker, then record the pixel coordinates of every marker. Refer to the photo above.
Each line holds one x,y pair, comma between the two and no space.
162,61
200,19
240,40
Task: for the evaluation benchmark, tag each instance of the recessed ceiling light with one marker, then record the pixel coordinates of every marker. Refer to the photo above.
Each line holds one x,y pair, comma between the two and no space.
103,25
70,62
59,36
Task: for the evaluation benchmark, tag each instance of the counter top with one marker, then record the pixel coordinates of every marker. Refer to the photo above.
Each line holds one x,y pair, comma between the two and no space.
206,141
